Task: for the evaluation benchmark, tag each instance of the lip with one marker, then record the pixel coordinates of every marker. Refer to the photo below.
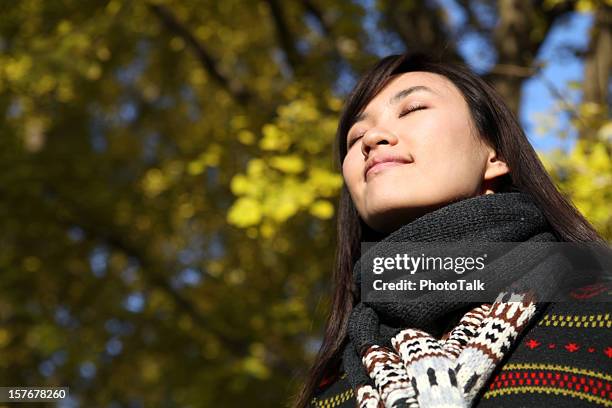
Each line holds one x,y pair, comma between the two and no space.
376,164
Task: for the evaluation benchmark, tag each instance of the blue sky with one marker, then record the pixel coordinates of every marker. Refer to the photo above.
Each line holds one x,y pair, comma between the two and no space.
562,67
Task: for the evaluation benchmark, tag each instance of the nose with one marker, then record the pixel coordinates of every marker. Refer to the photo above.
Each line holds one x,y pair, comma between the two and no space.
374,137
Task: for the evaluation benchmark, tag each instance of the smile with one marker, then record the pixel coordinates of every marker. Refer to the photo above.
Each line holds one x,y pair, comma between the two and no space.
379,167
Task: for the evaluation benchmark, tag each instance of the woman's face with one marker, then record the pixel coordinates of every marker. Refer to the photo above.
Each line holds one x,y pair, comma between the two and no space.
414,149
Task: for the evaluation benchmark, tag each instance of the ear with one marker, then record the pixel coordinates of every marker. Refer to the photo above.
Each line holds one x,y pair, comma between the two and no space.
495,168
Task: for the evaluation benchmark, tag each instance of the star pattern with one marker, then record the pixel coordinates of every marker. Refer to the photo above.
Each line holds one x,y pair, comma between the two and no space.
572,347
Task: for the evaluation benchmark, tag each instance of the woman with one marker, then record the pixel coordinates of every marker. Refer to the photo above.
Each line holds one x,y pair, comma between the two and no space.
430,153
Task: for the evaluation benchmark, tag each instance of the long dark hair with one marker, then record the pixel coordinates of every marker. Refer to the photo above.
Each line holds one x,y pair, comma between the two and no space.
496,124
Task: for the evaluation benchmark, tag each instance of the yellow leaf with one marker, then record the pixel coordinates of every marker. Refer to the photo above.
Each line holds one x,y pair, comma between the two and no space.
599,160
325,182
103,53
334,103
113,7
212,155
246,137
255,367
245,212
267,230
322,209
239,122
195,167
585,6
44,85
94,72
5,337
274,139
285,209
154,182
65,92
256,168
64,27
186,210
18,68
590,109
292,164
239,184
605,132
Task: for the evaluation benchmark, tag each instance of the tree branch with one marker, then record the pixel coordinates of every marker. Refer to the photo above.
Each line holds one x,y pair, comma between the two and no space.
73,214
513,70
520,32
285,37
236,90
472,18
336,53
311,8
598,59
421,28
597,65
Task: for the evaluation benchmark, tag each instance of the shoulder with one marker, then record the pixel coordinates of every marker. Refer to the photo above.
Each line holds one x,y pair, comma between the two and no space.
334,392
561,359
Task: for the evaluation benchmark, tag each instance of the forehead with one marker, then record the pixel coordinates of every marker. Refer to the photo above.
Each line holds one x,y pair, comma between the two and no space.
439,84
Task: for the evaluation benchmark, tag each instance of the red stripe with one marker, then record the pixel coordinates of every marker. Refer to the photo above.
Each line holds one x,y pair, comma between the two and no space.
552,379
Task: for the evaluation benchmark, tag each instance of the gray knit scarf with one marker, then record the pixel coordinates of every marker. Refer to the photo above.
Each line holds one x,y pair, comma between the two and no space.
395,356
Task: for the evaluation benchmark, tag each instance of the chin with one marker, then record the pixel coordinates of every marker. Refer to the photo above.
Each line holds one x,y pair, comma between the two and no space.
388,218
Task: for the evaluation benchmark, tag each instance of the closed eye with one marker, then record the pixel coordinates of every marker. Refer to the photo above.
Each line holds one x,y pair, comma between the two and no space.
402,114
411,109
355,139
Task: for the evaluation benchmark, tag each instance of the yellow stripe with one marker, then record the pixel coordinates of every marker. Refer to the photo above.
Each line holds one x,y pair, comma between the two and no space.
333,401
582,321
555,367
548,390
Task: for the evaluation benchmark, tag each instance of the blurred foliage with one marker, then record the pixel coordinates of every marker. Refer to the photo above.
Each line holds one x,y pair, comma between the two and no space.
584,173
292,173
169,187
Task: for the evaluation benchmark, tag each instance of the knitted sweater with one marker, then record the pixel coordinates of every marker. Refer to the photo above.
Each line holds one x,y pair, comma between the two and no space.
563,359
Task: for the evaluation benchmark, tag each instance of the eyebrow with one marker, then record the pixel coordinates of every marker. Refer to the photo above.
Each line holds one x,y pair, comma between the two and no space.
398,97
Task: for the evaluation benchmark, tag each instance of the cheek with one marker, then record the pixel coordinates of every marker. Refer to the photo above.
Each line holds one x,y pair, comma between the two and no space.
351,171
450,156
